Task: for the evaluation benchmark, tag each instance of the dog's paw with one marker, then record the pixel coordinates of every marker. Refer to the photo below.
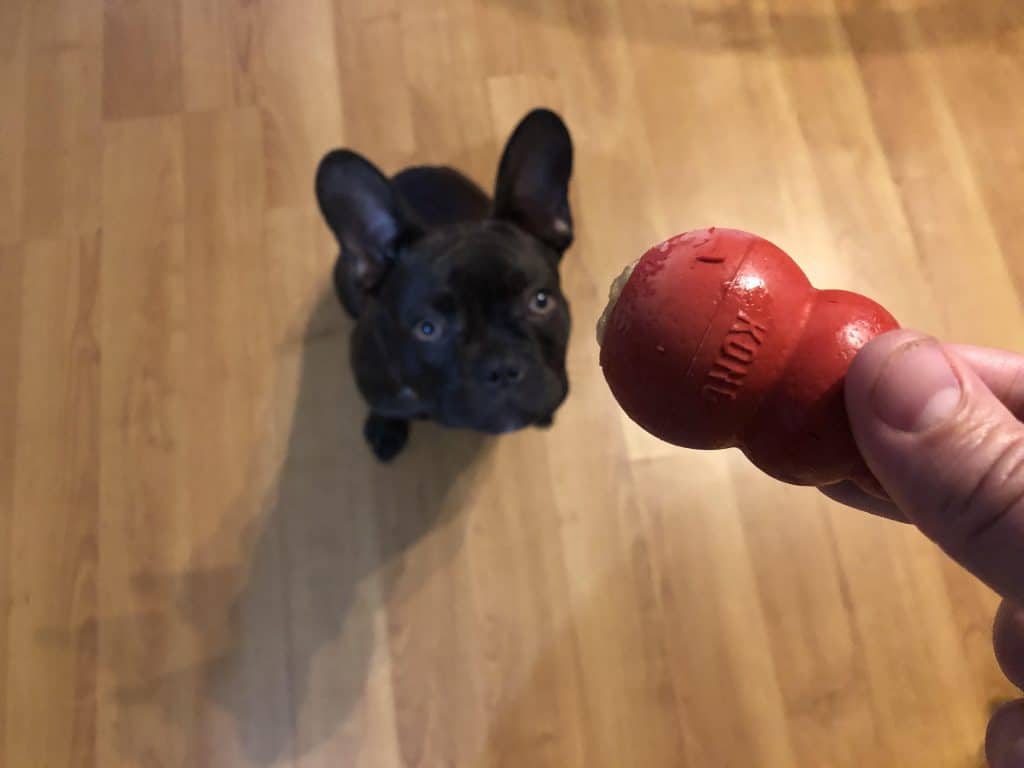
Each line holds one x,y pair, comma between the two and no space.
387,437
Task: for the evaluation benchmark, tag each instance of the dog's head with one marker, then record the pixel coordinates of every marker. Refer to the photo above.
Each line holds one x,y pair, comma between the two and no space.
459,312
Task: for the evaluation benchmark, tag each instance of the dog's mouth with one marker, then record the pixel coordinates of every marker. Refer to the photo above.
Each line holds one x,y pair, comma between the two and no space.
504,421
514,422
532,402
506,425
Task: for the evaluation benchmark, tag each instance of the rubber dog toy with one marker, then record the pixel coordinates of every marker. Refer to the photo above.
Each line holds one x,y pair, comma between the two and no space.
716,339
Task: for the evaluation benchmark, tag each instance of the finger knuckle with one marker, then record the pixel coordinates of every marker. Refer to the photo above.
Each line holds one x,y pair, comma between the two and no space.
995,496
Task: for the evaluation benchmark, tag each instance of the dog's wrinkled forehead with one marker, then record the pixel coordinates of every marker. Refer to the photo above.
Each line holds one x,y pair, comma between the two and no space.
487,261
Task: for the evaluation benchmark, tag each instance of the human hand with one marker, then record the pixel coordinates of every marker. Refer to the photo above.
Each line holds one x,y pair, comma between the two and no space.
940,427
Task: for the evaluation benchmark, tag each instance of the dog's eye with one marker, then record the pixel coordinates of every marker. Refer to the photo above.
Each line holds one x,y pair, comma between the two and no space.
542,303
427,330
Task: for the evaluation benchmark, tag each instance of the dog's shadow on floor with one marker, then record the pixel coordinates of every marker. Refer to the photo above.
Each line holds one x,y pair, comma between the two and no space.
287,637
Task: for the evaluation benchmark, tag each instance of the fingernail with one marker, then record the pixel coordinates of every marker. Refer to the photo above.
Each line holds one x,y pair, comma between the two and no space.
917,388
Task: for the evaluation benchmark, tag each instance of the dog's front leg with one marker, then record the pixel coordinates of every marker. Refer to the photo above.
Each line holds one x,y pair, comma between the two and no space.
386,436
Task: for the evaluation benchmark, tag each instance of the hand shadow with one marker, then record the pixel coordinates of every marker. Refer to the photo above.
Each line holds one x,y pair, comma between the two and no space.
286,638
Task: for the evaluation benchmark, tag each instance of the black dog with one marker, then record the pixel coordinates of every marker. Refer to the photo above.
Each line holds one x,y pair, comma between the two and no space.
459,314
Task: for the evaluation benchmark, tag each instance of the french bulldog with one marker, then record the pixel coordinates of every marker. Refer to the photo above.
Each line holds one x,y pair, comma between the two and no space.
459,313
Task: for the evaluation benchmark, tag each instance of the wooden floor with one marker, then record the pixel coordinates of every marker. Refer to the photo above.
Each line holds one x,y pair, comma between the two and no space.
200,565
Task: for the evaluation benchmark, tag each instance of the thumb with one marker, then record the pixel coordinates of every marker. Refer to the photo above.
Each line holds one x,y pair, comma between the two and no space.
947,452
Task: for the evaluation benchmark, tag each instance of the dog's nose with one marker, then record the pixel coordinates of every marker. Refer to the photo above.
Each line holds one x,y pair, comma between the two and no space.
502,372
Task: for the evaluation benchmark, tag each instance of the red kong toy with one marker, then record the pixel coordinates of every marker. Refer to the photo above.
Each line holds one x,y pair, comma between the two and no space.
716,339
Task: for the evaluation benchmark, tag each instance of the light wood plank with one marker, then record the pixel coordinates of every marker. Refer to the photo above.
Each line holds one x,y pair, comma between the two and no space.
377,106
14,44
11,261
52,628
62,173
144,493
298,92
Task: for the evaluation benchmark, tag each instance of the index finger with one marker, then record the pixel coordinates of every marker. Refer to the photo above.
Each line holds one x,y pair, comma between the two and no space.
1002,372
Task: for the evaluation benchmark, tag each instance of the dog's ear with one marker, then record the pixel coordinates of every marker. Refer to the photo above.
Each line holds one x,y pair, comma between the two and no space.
533,179
367,217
